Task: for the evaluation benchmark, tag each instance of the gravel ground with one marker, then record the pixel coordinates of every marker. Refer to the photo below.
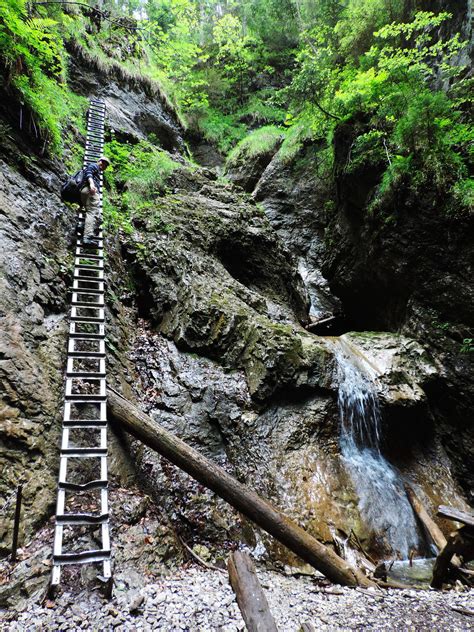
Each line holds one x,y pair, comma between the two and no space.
196,599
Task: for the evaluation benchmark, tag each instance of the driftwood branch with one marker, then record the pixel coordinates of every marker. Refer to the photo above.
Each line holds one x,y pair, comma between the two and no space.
235,493
249,593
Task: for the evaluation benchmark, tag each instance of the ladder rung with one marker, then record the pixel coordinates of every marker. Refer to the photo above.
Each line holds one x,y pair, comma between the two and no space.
73,334
79,487
99,555
85,290
70,519
77,275
99,347
86,255
87,266
86,354
85,322
83,453
85,398
99,246
85,423
80,303
99,318
88,319
85,373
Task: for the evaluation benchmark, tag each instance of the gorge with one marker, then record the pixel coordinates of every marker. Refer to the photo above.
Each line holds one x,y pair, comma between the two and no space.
221,267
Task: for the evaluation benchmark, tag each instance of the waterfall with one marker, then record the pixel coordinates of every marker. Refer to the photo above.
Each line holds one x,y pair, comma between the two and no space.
383,503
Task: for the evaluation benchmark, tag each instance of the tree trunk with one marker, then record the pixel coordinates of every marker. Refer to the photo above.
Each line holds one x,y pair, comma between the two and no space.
235,493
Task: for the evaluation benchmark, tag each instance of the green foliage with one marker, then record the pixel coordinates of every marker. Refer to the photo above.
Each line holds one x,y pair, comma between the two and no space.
463,193
467,345
377,66
138,175
300,130
422,134
33,60
263,108
221,129
367,151
237,56
356,25
261,141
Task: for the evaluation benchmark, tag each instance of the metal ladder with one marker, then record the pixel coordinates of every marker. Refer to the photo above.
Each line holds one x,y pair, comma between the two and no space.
84,430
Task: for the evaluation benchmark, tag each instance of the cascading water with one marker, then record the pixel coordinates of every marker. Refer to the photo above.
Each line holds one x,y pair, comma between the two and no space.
383,503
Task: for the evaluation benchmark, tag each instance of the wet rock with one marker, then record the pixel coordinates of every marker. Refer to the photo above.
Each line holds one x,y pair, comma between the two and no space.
401,366
295,194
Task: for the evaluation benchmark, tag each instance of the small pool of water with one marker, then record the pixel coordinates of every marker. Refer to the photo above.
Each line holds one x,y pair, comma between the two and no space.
418,574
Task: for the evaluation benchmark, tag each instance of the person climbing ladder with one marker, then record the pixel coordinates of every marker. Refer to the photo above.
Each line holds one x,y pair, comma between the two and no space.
90,198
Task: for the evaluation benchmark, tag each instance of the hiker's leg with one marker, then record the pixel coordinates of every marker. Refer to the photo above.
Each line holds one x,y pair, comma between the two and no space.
84,195
92,220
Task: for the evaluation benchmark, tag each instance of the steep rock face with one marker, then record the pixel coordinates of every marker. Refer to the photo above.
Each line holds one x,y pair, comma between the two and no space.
296,197
35,238
245,171
136,107
406,267
221,283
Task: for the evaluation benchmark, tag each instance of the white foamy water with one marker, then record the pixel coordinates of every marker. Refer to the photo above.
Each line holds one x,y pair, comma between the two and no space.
383,503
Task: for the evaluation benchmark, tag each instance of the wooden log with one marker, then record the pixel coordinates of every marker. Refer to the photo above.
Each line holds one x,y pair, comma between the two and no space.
235,493
432,529
456,514
459,543
250,596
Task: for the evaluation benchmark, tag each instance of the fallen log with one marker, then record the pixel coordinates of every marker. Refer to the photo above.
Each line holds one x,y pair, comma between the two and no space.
249,593
235,493
432,529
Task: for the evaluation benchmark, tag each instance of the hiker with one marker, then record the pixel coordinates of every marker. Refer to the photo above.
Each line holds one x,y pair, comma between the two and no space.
90,190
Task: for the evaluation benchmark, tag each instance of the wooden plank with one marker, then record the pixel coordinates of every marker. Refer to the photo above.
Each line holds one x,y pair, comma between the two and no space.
235,493
456,514
250,596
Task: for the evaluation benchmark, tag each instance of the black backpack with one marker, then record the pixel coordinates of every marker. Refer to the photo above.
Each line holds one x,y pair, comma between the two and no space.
71,188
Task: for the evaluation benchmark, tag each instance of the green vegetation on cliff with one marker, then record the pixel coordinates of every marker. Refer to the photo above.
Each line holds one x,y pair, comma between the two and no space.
304,68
